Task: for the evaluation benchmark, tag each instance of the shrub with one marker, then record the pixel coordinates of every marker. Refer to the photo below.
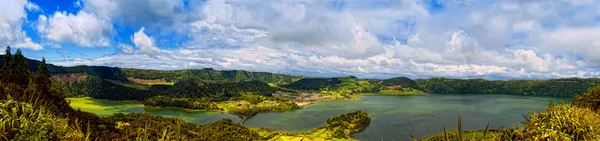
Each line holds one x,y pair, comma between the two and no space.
20,121
590,99
563,122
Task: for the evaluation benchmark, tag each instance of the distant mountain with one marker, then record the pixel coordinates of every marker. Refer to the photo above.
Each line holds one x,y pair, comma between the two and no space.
122,74
404,82
210,74
315,84
118,80
565,87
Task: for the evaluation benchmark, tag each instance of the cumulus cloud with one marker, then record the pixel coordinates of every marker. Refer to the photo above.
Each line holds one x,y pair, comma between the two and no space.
32,7
83,29
125,48
499,39
144,43
11,20
580,41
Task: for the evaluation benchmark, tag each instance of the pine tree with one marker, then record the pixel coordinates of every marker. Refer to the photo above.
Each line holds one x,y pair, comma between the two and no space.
42,78
5,71
21,70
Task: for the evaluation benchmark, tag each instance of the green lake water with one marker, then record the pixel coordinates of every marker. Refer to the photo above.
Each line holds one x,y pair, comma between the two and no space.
392,116
400,116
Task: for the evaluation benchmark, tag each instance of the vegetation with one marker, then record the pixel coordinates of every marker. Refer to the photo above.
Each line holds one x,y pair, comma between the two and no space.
210,74
346,124
590,99
153,127
314,84
401,91
95,87
460,135
125,78
278,106
36,109
33,106
563,122
336,86
405,82
575,121
103,107
566,87
40,99
21,121
186,103
337,128
466,135
219,90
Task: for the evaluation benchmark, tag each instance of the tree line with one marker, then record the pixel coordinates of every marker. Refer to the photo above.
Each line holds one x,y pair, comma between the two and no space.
565,87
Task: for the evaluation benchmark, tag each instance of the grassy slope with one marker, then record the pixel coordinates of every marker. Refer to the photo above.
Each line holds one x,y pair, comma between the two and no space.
102,107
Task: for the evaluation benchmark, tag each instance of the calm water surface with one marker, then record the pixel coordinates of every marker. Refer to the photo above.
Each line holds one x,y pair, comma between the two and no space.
399,116
392,116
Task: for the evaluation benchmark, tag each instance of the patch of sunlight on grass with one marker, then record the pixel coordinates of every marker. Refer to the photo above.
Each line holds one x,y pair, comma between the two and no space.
228,106
104,107
161,83
137,86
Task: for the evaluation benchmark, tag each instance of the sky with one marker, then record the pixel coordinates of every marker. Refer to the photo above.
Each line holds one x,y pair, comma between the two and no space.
507,39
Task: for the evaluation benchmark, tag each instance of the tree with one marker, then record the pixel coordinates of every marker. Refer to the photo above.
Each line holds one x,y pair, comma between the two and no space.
20,71
6,65
41,78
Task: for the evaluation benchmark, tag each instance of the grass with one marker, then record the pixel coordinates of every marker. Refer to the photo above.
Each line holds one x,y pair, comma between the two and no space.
563,122
103,107
228,106
160,83
469,135
137,86
460,135
317,135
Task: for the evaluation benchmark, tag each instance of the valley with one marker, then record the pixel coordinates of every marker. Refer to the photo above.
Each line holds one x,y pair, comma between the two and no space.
243,105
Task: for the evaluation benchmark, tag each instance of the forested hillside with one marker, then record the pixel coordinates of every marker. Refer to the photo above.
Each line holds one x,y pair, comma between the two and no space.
337,85
210,74
555,87
124,83
121,74
195,88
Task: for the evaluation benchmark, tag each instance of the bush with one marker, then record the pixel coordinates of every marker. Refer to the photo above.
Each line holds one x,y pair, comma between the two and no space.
563,122
590,99
20,121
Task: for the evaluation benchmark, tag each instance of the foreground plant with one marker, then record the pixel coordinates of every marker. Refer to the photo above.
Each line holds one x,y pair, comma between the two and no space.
20,121
563,122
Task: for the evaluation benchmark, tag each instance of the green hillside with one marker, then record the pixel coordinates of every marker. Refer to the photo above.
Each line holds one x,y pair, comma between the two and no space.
210,74
566,87
105,81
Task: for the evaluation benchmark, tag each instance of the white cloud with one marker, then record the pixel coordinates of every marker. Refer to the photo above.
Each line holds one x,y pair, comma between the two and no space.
83,29
125,48
144,43
580,41
499,39
29,44
32,7
11,19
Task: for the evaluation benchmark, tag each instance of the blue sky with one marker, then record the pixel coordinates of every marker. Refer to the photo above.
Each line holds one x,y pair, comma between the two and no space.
369,39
